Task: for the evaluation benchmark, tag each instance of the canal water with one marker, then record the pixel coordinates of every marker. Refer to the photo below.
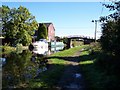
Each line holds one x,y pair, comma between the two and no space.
18,68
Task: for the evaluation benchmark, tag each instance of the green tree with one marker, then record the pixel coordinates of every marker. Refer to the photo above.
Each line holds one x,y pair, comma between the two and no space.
18,25
65,40
42,32
5,10
58,38
110,39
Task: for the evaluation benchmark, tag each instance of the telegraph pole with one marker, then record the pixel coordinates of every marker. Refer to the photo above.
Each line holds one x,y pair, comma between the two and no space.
95,28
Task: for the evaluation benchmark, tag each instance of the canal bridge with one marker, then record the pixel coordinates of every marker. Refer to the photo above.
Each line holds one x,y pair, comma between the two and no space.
80,38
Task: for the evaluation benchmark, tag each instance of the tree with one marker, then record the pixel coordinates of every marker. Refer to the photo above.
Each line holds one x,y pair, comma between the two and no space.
65,40
57,38
42,32
18,25
4,17
110,39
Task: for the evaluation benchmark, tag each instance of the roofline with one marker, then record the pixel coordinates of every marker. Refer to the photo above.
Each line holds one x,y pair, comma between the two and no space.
47,22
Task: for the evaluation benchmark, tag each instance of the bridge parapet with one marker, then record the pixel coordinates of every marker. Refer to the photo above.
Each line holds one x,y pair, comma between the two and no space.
79,36
84,39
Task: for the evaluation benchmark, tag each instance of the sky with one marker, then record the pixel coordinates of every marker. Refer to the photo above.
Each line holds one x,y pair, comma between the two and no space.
68,18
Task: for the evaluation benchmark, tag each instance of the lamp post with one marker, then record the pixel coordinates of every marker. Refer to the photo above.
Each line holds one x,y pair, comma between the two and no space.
95,28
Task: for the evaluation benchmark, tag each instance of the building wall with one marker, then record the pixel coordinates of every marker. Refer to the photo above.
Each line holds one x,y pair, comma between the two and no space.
51,33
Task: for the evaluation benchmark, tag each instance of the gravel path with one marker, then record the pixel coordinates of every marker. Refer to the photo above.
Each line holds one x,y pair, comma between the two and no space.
72,78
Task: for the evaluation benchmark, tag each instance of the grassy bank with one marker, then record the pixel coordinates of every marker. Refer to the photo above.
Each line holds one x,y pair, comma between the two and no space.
51,77
98,74
89,71
8,49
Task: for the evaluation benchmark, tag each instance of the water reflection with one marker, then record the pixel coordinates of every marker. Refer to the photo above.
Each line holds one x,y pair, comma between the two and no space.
56,49
40,51
19,68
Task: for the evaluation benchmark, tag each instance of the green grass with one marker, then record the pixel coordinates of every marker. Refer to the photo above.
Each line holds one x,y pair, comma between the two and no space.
69,52
86,62
97,77
51,77
91,74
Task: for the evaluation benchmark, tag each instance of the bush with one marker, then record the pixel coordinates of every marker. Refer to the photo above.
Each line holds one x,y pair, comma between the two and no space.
110,39
95,47
7,49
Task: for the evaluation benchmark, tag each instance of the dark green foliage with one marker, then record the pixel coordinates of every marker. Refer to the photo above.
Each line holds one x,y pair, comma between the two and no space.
58,38
42,32
15,68
110,39
65,40
103,73
18,25
108,61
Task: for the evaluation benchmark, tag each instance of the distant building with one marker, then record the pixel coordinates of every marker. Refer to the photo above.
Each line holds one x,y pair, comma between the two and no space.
50,29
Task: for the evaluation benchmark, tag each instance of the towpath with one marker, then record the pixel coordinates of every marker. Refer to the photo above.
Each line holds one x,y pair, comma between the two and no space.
72,78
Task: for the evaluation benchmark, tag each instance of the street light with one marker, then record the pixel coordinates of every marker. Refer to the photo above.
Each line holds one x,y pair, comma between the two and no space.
95,28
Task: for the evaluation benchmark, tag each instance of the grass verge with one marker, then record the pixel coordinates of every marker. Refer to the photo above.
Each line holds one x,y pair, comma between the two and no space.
98,76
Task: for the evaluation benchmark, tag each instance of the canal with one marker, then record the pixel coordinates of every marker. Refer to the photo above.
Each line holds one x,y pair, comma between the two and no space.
19,67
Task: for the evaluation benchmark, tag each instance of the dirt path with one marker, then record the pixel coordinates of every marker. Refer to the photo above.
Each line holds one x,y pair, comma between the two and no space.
71,78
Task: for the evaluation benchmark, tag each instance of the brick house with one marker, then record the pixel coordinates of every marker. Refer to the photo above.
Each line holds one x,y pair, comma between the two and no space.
50,29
